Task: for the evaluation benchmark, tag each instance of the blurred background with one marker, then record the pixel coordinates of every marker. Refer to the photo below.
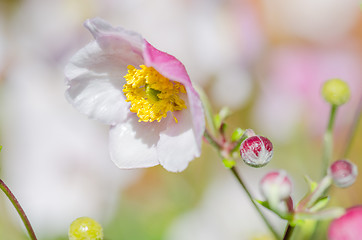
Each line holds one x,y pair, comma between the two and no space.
265,60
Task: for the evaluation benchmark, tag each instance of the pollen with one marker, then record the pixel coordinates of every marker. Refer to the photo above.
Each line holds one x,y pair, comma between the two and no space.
152,95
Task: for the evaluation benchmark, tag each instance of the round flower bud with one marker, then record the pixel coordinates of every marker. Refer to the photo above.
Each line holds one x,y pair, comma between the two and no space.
343,173
348,226
336,92
85,228
256,151
276,185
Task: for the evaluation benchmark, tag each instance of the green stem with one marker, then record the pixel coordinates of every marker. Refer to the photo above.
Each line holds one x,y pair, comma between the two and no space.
238,143
211,140
288,232
19,209
238,177
208,110
353,130
328,141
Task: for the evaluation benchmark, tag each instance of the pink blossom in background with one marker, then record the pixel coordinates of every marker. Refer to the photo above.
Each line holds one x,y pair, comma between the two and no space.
291,92
348,226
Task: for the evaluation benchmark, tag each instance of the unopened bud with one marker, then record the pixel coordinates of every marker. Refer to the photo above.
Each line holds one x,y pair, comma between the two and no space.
336,92
276,185
85,228
348,226
343,173
256,151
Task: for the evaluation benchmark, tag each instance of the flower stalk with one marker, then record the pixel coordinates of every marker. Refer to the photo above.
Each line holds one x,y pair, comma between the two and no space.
288,232
266,221
353,130
19,209
328,141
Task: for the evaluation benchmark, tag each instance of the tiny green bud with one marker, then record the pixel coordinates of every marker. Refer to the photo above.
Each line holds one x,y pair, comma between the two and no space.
85,228
237,134
228,163
336,92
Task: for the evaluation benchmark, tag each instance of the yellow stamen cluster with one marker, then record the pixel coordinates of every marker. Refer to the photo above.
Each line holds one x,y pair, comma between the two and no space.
151,94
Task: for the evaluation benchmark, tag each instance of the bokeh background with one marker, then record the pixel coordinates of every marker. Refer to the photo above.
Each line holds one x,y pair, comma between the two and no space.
265,60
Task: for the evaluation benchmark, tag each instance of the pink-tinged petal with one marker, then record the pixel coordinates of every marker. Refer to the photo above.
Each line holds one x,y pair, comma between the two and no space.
178,145
173,69
126,46
94,76
133,144
166,64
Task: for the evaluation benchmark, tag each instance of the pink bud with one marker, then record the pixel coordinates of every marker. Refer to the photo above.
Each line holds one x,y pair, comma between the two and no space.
256,151
348,226
277,185
343,172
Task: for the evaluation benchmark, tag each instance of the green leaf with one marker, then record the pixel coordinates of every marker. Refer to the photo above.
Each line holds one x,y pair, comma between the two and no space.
224,113
320,203
237,134
228,163
263,203
329,213
281,214
221,116
1,147
312,184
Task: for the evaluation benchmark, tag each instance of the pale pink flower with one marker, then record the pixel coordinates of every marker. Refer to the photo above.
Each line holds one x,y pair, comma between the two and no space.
95,79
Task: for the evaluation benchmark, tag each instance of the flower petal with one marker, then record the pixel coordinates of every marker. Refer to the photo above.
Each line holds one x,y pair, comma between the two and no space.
133,144
126,46
178,145
94,88
94,76
173,69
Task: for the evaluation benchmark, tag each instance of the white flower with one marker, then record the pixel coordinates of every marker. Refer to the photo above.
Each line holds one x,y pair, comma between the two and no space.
155,113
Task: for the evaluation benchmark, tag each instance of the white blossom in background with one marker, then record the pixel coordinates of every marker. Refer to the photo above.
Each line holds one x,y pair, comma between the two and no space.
231,88
55,160
225,212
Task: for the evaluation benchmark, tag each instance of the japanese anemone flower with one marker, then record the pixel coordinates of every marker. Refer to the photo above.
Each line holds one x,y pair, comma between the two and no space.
145,95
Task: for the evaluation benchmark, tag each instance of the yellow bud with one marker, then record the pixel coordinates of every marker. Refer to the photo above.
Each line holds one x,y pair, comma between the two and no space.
336,92
85,228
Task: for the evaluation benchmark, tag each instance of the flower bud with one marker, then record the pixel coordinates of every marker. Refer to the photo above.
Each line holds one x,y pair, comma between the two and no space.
277,185
256,151
336,92
348,226
343,173
85,228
